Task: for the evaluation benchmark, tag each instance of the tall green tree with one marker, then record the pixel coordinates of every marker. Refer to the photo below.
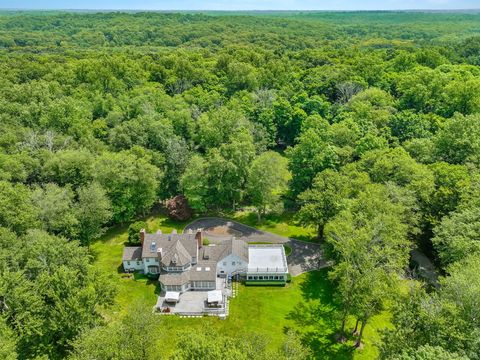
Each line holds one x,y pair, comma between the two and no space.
74,167
328,195
131,183
18,210
458,234
50,292
56,209
267,181
311,155
451,182
446,319
194,183
459,141
93,211
134,337
396,165
368,241
227,170
219,126
7,342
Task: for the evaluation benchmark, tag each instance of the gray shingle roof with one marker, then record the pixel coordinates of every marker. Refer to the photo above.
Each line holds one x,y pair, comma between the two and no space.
132,253
166,241
220,251
240,248
207,272
213,252
169,278
176,255
204,271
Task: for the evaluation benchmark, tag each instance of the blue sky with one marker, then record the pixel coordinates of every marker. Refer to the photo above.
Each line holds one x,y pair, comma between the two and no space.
241,4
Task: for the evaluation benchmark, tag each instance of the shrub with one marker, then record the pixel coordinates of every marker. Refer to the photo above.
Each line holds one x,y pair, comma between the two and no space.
134,232
152,276
178,208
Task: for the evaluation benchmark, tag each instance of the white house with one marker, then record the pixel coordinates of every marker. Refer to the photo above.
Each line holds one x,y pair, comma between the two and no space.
234,260
184,263
132,259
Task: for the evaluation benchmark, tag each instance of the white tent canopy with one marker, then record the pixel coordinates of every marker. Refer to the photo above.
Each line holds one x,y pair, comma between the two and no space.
172,296
214,296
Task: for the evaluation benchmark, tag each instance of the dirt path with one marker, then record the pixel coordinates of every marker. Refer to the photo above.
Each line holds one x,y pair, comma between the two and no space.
425,267
305,256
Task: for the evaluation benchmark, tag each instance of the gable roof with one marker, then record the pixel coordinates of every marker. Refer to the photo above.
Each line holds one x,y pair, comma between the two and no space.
176,255
217,252
240,248
235,247
205,271
166,242
132,253
213,252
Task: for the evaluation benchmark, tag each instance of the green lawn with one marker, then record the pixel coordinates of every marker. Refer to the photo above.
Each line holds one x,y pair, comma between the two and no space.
108,257
305,304
280,224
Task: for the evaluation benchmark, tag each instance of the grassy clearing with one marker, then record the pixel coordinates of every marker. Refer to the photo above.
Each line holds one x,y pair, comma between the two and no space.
280,224
306,304
130,289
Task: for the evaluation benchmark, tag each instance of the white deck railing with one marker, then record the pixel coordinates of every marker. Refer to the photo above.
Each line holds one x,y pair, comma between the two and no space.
268,270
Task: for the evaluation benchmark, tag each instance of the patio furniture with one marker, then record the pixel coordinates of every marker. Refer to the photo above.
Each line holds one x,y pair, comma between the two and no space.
172,297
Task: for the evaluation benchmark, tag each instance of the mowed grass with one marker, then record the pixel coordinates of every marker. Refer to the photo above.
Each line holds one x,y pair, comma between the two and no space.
306,305
281,224
130,289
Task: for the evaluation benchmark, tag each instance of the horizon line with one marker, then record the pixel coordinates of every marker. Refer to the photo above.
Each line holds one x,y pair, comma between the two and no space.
240,10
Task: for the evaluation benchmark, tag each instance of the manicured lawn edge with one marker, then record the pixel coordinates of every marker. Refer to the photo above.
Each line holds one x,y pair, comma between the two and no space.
264,283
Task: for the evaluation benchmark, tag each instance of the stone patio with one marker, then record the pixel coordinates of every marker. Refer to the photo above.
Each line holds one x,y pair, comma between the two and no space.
194,302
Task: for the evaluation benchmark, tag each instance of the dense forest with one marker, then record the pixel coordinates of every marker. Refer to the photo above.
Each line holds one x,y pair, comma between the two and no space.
366,126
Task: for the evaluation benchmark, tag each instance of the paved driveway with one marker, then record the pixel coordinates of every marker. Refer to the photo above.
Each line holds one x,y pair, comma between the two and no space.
305,256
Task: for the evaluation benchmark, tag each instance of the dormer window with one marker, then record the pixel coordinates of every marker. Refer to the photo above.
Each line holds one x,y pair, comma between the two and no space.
175,259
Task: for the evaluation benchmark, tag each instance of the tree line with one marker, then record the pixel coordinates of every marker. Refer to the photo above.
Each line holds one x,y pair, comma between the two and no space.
368,132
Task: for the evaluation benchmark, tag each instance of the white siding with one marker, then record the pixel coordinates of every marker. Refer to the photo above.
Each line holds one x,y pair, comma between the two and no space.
132,265
230,264
149,262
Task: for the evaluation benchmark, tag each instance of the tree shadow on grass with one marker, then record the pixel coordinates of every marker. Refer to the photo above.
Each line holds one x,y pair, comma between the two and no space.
316,318
138,276
120,269
317,286
305,238
158,289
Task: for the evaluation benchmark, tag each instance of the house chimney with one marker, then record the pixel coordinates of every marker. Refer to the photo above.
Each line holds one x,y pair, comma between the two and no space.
174,231
159,254
199,238
159,231
142,236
